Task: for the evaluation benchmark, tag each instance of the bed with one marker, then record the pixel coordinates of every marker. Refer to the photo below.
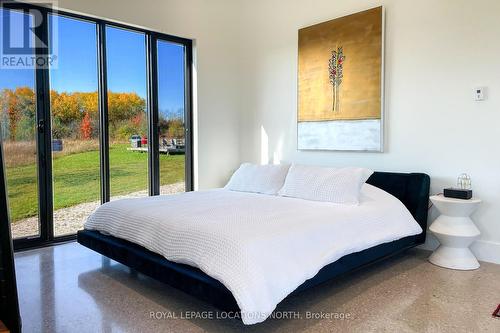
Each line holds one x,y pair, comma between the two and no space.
222,268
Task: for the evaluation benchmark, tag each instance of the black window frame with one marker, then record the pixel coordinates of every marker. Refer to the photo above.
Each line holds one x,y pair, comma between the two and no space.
42,86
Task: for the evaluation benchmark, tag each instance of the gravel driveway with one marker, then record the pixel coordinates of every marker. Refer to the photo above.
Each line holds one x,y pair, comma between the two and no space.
71,219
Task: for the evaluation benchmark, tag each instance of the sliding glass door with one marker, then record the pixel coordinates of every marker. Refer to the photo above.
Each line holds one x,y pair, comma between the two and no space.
105,115
127,110
18,119
74,118
172,104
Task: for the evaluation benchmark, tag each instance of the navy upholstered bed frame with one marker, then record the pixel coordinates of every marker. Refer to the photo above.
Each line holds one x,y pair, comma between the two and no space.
411,188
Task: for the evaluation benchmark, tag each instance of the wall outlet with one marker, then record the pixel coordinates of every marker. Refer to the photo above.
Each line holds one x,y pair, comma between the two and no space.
479,93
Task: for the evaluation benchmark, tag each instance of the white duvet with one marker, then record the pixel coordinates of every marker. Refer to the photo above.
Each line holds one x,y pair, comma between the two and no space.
261,247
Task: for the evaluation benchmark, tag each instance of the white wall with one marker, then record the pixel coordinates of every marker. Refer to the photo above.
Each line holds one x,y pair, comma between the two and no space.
211,24
437,51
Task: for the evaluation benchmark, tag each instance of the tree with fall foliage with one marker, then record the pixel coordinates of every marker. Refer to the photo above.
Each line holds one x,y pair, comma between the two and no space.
18,113
65,106
175,128
124,106
86,127
73,114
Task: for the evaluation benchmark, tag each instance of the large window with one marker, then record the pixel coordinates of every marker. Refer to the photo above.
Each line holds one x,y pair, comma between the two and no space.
18,119
74,123
109,119
128,116
172,124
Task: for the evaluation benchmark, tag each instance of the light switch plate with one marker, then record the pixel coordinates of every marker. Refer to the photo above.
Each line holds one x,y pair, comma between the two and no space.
479,93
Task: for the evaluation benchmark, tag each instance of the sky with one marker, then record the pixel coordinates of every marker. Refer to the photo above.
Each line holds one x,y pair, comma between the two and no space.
74,42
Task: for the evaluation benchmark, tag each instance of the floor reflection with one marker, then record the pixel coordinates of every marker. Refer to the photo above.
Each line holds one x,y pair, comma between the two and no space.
69,288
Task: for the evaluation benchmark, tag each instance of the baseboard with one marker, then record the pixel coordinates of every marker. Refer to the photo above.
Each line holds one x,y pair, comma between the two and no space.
487,251
483,250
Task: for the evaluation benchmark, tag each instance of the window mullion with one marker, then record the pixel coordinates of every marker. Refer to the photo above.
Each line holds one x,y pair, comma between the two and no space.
152,93
103,112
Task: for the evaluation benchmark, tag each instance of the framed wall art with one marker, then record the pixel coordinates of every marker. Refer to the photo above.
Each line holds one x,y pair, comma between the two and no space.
340,83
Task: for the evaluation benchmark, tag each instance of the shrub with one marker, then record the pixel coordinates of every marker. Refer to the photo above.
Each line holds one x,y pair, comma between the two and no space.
86,127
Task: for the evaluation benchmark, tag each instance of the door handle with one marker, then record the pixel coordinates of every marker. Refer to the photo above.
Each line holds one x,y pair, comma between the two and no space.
41,126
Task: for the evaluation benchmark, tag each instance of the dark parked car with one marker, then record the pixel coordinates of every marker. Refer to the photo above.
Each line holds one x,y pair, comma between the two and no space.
57,145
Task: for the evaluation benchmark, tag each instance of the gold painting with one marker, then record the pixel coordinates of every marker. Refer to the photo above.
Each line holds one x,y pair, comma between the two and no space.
340,83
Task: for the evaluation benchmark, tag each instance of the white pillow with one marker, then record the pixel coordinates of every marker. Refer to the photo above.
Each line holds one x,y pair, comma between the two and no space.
341,186
266,179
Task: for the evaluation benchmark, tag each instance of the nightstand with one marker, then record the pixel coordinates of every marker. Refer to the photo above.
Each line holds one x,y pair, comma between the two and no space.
455,231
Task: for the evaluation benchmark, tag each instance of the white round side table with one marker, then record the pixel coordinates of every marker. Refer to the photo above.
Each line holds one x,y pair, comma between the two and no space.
455,231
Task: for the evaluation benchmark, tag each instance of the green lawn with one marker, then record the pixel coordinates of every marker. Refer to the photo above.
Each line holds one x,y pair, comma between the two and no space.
76,178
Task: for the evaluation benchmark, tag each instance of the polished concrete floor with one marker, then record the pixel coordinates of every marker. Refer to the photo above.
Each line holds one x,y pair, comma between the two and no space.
68,288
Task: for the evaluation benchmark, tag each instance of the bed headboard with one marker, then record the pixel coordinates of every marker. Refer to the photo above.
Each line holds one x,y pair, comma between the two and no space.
411,188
